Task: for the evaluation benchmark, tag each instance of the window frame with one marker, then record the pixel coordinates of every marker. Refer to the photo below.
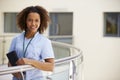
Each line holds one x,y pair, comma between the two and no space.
13,26
114,17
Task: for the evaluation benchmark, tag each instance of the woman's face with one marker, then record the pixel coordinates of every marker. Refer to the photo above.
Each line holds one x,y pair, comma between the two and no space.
33,22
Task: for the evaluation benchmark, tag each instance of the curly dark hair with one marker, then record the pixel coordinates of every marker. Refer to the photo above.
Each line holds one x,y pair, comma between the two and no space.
22,16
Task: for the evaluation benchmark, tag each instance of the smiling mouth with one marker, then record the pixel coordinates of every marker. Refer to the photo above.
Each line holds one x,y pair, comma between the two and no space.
33,27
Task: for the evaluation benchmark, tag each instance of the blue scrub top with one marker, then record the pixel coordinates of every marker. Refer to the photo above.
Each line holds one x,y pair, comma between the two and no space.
40,48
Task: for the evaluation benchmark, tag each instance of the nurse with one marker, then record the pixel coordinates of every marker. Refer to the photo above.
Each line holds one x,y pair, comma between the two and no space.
31,46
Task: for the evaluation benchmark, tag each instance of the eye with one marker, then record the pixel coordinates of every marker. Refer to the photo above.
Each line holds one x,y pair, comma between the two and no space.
29,20
36,20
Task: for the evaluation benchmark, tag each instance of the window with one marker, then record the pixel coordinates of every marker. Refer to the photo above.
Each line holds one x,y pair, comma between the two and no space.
61,26
112,24
61,23
10,23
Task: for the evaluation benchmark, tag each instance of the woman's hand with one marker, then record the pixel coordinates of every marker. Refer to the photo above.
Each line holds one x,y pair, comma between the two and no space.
17,75
23,61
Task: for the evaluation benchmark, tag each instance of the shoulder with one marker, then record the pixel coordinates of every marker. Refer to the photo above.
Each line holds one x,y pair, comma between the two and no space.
19,36
43,38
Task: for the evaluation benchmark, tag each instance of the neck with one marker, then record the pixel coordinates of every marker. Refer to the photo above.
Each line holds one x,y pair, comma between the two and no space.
29,34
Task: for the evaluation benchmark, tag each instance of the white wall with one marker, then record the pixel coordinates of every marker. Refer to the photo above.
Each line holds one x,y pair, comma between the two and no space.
101,54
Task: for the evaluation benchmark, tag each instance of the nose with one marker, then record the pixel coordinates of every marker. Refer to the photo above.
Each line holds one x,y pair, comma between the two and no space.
33,22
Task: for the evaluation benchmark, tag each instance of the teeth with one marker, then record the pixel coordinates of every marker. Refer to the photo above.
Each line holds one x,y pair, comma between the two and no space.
33,27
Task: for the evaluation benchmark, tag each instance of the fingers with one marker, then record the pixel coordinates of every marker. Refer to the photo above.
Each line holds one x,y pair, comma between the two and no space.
21,61
17,75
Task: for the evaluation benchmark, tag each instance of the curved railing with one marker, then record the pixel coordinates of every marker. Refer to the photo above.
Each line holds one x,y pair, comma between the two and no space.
68,64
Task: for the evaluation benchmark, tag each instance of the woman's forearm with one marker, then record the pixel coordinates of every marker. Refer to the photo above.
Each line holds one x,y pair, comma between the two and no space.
48,65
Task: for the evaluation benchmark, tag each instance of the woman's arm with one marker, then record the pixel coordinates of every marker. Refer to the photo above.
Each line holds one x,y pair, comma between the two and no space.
48,65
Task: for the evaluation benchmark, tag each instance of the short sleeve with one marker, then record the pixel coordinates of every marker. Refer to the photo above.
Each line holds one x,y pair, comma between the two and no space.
12,46
47,50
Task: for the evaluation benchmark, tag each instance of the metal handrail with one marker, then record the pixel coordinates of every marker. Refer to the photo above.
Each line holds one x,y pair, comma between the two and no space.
22,68
65,45
67,59
14,69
